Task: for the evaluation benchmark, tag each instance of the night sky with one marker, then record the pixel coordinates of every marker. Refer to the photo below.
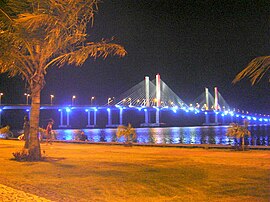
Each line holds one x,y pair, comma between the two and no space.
192,44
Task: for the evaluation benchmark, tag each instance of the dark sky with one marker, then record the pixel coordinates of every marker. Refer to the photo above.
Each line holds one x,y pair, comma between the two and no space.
192,44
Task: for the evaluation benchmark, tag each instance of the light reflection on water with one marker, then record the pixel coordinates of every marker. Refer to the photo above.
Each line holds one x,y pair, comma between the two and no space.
260,135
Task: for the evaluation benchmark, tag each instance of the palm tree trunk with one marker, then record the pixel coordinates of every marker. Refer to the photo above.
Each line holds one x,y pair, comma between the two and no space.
34,146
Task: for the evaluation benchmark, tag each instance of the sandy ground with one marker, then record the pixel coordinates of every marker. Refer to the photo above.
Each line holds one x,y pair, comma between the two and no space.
83,172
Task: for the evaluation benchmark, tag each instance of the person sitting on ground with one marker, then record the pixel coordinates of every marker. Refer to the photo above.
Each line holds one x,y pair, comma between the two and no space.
83,137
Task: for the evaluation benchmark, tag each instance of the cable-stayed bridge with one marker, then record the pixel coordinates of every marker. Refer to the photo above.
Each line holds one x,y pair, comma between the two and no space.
152,99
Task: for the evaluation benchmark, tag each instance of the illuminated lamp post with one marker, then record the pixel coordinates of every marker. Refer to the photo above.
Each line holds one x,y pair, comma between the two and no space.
52,96
1,94
27,97
73,99
109,101
92,98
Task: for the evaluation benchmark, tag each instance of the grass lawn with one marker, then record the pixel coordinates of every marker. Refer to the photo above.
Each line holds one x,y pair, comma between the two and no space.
87,172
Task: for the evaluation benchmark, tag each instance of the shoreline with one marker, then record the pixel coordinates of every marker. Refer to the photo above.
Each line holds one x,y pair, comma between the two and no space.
203,146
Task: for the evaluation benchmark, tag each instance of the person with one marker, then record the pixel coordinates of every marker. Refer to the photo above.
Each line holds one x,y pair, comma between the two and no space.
83,137
49,132
26,131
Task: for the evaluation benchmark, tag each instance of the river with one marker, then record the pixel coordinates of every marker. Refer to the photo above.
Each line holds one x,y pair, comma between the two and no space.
260,135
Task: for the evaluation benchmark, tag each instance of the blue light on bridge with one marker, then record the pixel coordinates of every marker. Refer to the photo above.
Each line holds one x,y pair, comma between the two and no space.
207,113
68,109
248,117
95,109
243,117
86,110
108,109
260,119
237,115
27,110
145,110
222,114
254,118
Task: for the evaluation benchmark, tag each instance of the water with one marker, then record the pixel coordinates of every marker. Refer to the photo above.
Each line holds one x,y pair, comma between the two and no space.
260,135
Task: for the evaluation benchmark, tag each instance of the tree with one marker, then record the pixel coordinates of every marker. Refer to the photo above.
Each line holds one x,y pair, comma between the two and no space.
38,34
238,131
127,131
255,70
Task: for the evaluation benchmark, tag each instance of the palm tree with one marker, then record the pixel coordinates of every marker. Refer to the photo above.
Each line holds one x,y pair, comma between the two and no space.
127,131
255,70
238,131
38,34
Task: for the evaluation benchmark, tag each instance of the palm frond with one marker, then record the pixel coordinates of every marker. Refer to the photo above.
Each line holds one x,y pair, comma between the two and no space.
32,21
255,70
78,57
235,130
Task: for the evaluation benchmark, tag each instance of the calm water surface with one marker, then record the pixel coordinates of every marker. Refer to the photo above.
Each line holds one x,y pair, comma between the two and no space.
260,135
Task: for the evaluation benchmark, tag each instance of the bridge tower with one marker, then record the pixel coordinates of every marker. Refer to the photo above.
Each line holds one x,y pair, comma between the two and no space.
157,97
206,106
157,102
216,105
216,98
206,99
147,101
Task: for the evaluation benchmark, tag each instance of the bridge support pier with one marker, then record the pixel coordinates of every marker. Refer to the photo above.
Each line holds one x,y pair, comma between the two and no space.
146,119
216,118
231,118
157,117
110,124
121,116
89,125
207,122
61,119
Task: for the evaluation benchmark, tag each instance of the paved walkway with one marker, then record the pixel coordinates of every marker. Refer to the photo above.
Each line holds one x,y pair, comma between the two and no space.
8,194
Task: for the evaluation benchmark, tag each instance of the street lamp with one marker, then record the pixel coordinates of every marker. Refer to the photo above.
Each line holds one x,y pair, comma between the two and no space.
109,100
92,98
1,98
138,100
27,97
52,96
73,99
